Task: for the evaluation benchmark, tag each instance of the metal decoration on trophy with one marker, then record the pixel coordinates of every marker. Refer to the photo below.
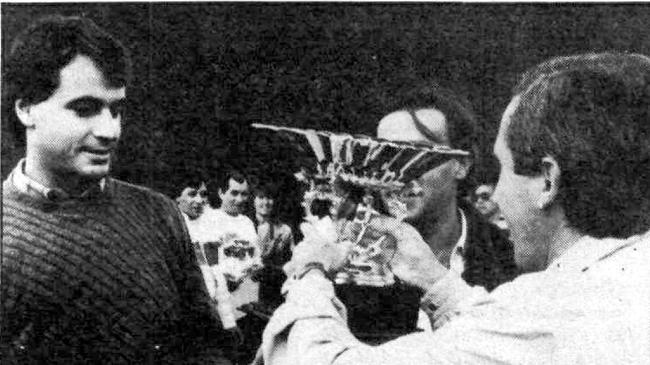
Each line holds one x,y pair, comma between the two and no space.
360,177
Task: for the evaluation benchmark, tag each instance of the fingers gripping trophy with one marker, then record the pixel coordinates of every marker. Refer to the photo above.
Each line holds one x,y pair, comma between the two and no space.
359,177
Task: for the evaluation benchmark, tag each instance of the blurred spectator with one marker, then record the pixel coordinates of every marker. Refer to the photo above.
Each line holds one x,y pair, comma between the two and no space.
276,242
238,256
193,202
488,208
193,199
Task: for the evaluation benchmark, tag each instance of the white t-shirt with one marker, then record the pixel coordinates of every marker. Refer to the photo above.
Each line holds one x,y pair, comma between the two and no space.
236,231
214,226
200,229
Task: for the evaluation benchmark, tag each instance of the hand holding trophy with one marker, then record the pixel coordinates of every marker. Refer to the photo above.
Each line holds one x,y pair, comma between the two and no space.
358,180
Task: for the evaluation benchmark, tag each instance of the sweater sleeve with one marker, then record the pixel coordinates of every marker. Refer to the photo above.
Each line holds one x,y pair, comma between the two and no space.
310,329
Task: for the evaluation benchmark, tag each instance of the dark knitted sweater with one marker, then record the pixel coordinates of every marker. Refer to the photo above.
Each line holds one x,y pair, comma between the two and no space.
109,278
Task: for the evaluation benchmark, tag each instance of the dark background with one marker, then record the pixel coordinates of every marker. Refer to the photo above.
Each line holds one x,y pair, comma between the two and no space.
204,72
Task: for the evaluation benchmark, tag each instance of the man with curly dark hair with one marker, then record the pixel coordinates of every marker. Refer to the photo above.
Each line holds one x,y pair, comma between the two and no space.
94,270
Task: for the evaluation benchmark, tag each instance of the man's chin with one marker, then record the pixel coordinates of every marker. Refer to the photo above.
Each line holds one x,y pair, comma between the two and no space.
94,172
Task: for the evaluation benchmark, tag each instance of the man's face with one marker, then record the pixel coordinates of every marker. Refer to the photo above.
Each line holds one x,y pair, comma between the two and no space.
483,200
518,204
427,196
75,131
263,205
193,200
233,200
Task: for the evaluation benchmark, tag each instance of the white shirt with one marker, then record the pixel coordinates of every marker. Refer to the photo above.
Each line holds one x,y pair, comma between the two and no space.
456,265
202,231
590,306
231,228
29,186
200,228
456,260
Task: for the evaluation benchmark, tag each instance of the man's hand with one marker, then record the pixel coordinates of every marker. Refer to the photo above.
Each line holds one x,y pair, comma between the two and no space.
319,247
413,261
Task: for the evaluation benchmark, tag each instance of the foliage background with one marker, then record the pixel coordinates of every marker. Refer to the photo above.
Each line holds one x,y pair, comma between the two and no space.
204,72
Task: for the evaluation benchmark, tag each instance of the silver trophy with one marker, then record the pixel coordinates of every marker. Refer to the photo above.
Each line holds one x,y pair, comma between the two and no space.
369,175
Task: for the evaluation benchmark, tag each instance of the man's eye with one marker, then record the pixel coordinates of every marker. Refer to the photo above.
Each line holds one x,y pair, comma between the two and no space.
191,194
86,109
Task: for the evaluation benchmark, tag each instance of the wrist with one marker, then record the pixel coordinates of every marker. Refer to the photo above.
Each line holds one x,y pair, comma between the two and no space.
425,280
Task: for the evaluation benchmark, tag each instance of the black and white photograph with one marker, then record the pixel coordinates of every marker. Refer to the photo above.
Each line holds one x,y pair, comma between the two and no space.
325,183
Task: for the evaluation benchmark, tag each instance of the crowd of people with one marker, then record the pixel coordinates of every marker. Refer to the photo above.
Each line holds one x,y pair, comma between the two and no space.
547,265
241,256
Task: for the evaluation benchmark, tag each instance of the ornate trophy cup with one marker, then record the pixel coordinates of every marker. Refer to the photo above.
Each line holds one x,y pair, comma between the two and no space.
359,177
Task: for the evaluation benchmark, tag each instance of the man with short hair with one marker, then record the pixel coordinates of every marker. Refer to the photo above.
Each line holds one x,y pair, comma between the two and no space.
193,199
455,232
571,144
94,270
459,237
275,240
193,203
238,254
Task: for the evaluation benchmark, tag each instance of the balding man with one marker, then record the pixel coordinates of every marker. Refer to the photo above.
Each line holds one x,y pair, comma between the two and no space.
571,145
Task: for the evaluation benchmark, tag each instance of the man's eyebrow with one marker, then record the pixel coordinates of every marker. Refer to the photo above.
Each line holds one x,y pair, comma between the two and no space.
85,99
92,99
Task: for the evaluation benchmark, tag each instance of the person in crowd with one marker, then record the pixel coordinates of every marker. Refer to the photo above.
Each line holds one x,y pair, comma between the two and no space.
275,240
198,214
238,255
455,232
488,208
570,145
193,199
94,270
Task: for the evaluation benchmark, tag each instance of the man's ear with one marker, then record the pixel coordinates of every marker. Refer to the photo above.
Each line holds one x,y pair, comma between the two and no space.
23,111
550,188
462,167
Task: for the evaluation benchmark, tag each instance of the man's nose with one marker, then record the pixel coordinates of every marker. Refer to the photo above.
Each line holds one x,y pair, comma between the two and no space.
107,126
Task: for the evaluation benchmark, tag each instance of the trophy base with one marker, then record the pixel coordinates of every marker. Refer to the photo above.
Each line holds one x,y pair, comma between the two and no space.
380,314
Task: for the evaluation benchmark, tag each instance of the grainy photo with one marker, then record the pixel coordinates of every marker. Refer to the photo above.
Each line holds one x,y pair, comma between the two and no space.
325,183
